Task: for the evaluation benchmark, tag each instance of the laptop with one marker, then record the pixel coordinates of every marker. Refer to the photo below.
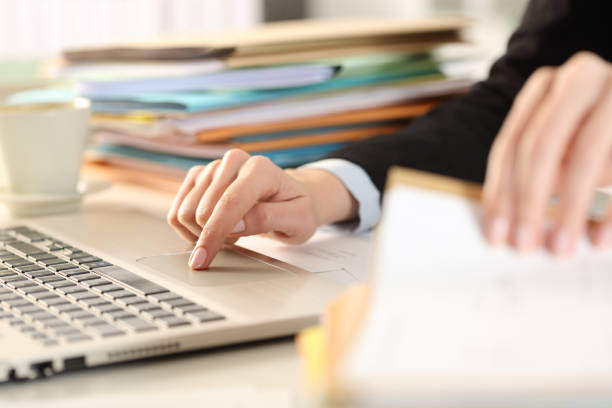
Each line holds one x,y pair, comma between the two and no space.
108,285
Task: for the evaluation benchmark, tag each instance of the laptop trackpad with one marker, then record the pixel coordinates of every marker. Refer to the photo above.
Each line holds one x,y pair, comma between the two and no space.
228,268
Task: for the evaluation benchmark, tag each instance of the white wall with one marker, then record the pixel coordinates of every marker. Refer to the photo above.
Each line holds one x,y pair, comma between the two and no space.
44,27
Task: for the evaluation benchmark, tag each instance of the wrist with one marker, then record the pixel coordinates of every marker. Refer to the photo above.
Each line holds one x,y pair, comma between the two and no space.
331,200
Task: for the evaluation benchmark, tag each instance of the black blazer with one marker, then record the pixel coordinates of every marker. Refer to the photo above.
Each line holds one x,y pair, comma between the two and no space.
455,138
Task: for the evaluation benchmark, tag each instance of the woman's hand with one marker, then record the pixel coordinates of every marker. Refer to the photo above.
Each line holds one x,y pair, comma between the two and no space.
242,195
557,139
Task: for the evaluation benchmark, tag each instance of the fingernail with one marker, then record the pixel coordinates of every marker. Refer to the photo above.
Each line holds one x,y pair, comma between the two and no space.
198,258
497,230
239,227
605,237
562,243
524,237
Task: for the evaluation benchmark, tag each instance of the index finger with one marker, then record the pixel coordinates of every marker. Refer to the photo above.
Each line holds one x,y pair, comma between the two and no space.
256,181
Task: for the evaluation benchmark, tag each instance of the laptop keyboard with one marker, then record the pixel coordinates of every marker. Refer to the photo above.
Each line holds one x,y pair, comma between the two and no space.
56,293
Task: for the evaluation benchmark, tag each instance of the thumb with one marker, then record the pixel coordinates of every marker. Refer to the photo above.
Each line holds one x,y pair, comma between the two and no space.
290,221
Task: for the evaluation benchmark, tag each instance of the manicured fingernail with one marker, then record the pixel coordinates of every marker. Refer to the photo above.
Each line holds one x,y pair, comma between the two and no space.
605,237
198,258
525,237
497,230
239,227
561,244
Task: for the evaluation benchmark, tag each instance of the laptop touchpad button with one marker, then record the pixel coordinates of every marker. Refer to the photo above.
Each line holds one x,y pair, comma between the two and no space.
228,268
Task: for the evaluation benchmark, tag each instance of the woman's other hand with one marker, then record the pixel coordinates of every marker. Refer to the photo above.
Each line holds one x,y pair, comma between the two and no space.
556,140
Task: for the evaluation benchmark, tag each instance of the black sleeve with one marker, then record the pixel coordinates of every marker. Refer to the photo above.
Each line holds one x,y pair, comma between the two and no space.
455,138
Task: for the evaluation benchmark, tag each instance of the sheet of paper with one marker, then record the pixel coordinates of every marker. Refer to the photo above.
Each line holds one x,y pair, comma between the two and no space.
451,314
339,255
238,397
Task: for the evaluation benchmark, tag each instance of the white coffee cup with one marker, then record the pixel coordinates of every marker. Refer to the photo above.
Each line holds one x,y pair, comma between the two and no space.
41,147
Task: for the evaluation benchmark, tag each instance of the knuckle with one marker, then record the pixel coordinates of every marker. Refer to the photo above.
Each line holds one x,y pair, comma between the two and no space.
229,201
233,155
259,162
543,73
584,59
185,216
201,219
195,170
172,220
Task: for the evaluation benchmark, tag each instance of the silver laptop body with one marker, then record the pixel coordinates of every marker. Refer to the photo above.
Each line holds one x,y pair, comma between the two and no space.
105,286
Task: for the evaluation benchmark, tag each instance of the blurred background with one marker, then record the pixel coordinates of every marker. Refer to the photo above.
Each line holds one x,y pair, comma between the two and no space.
32,29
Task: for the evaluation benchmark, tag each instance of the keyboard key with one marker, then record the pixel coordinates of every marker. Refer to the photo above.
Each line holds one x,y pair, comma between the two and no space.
55,322
156,313
79,314
24,249
89,259
79,255
65,307
173,321
130,300
141,307
82,295
27,309
140,285
71,289
51,261
96,282
12,262
191,308
5,315
16,322
77,338
206,315
43,295
28,268
163,297
33,289
94,265
61,284
95,301
73,272
106,288
22,284
137,324
41,256
92,321
84,277
42,316
107,330
106,308
62,267
38,274
49,279
16,302
119,314
117,294
54,301
174,303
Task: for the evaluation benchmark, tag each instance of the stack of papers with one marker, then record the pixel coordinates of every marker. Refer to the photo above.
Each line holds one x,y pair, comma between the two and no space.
292,91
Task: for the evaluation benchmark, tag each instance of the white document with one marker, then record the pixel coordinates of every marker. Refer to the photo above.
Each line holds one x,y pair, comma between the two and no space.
332,252
455,322
242,79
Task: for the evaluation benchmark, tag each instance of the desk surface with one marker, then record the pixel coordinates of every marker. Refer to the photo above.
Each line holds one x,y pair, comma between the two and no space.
266,365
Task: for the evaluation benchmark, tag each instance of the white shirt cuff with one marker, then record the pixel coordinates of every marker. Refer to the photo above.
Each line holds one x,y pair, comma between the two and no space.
359,184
